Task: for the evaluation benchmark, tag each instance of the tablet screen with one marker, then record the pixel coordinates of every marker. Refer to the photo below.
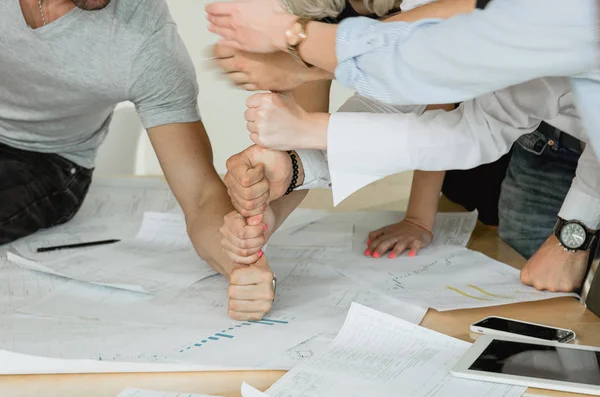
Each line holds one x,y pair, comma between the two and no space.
543,362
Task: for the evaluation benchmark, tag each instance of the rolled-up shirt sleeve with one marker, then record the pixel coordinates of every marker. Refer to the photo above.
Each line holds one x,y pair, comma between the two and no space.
583,199
316,169
435,61
366,147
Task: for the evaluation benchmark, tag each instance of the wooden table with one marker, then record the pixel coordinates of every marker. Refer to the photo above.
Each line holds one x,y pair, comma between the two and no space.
565,312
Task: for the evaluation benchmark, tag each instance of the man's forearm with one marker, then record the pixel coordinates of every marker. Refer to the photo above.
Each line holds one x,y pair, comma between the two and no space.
185,155
203,229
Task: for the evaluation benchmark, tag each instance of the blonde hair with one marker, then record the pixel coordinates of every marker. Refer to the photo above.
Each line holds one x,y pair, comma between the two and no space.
320,9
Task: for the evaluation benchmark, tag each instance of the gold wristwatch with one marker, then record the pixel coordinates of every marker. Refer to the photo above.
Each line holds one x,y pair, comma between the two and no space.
294,36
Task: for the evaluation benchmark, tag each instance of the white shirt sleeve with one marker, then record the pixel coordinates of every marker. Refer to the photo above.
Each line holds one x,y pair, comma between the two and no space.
316,169
583,200
365,147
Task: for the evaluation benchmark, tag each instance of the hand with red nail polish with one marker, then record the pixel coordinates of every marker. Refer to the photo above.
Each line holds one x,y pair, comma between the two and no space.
244,238
407,235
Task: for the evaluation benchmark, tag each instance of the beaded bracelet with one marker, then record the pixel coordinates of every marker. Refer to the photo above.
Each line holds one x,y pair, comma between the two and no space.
294,174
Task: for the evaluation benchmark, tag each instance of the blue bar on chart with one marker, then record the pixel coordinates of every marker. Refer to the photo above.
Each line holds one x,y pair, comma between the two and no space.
246,324
198,344
213,338
276,321
224,335
204,341
261,322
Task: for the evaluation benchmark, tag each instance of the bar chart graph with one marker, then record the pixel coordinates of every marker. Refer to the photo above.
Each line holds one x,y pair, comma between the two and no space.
233,331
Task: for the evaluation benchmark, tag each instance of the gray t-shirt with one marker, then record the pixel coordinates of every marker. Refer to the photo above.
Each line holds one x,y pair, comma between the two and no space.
59,84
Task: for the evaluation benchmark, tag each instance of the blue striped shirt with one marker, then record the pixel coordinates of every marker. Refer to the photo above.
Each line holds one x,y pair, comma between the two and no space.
510,42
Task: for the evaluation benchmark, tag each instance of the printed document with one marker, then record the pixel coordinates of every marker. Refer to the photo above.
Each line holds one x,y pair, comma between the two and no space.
152,393
448,278
184,330
376,354
160,257
113,209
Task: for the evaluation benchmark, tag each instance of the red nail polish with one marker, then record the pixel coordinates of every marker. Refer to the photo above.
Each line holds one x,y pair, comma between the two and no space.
368,242
260,254
412,253
367,253
266,227
392,255
376,255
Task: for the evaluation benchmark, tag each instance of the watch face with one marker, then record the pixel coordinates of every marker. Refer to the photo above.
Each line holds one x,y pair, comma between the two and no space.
572,235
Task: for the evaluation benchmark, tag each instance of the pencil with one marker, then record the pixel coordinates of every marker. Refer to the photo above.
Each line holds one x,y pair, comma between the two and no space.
78,245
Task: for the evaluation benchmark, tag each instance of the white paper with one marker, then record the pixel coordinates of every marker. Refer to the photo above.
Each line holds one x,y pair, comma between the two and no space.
127,199
301,217
152,393
332,236
160,257
452,229
112,209
343,301
377,354
88,322
20,287
448,278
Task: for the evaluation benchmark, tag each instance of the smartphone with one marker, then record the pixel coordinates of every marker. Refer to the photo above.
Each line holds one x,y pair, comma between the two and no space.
508,327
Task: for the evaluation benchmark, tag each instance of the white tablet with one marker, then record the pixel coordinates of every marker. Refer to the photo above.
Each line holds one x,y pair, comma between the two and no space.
541,364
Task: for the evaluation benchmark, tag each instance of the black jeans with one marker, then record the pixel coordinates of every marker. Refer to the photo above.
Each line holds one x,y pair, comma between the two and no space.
37,191
478,188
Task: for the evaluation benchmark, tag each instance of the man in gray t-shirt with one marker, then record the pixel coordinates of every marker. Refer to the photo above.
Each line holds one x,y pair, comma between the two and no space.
64,65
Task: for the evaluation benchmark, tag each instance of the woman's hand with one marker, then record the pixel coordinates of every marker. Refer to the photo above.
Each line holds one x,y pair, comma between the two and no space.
276,121
251,25
243,239
399,237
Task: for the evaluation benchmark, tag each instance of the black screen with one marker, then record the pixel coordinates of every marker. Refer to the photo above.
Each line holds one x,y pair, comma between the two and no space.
543,362
515,327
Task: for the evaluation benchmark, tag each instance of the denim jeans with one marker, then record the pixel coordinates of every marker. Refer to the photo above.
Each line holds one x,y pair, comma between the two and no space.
536,184
37,191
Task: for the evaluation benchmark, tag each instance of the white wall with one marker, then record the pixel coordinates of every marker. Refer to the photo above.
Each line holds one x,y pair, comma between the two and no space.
226,128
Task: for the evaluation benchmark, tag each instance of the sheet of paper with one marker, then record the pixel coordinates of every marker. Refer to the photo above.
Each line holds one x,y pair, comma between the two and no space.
448,278
113,209
160,257
332,236
301,217
378,354
127,199
188,328
450,229
152,393
343,301
454,228
22,364
20,287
